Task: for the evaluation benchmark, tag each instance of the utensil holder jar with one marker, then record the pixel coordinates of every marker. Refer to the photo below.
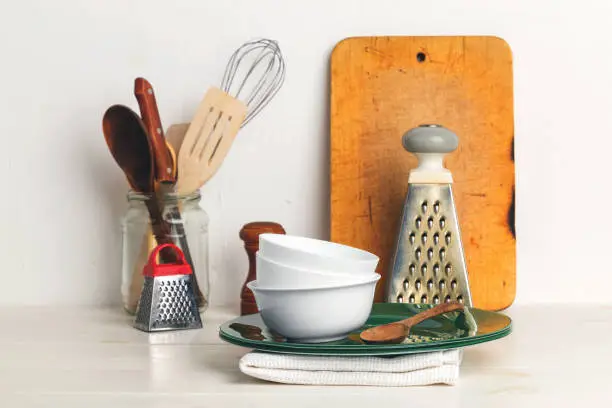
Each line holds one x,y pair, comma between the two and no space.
138,242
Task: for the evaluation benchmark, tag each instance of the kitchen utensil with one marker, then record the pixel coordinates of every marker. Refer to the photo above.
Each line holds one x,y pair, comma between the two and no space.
315,315
164,153
128,142
208,139
254,74
164,167
396,332
442,332
429,265
165,170
382,86
168,298
175,135
315,254
163,161
272,274
247,87
249,234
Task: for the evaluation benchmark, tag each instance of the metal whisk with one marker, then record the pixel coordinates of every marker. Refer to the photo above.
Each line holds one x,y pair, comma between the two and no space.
254,74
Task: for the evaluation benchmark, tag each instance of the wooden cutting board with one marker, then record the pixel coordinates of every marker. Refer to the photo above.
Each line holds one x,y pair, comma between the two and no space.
383,86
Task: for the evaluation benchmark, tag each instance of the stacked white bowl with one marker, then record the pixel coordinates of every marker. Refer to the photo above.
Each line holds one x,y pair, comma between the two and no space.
311,290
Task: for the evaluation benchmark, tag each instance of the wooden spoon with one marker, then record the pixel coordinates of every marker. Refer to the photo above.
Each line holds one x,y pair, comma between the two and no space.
396,332
128,142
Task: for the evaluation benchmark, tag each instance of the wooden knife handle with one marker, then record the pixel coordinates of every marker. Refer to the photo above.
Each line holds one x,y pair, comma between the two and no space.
145,96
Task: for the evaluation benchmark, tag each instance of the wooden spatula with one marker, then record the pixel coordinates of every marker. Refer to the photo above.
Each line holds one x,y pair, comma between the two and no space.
176,134
208,139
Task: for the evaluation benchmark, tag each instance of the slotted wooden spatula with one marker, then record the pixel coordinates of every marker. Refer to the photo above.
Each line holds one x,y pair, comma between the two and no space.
208,139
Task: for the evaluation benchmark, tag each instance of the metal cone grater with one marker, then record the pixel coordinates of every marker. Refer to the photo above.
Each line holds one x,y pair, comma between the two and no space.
429,263
167,300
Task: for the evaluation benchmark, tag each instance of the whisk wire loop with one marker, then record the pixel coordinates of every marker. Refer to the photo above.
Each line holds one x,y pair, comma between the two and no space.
254,74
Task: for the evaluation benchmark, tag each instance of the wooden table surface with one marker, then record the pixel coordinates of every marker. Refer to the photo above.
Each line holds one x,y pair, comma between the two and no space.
68,357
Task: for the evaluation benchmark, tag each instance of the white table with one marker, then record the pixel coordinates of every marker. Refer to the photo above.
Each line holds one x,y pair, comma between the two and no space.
64,357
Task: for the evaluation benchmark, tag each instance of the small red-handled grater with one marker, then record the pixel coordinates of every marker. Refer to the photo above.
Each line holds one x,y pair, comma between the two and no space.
167,300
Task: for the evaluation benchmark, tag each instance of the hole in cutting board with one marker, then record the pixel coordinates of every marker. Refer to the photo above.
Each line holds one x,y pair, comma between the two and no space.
421,57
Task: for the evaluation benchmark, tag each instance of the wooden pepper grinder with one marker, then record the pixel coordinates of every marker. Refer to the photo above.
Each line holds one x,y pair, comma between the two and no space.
250,235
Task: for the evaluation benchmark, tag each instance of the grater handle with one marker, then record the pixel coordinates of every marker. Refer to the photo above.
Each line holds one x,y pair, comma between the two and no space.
159,248
430,143
430,139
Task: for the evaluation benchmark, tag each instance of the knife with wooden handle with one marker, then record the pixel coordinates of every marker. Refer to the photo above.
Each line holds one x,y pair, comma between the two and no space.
165,168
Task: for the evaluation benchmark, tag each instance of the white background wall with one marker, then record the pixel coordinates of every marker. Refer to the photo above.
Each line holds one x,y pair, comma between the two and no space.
65,61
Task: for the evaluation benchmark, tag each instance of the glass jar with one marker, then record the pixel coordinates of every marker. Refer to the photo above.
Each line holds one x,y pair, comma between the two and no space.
138,242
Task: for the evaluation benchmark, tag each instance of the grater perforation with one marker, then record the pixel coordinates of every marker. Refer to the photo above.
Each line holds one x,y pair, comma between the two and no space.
429,240
168,298
145,302
175,306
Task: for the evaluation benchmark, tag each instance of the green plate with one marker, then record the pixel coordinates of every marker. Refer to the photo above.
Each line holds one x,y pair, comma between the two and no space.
438,333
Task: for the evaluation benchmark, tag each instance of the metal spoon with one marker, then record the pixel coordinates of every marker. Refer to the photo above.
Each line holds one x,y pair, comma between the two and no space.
396,332
128,142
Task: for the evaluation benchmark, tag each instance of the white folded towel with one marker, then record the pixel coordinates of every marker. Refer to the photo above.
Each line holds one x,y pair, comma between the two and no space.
439,367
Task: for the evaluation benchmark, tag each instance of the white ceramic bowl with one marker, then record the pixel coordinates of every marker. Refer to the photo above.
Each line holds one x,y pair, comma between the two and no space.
314,254
272,274
315,315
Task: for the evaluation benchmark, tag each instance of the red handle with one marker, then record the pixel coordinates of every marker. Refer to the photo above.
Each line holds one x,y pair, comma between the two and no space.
153,256
164,165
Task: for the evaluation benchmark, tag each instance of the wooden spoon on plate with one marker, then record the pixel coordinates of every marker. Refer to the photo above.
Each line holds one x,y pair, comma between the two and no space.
396,332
